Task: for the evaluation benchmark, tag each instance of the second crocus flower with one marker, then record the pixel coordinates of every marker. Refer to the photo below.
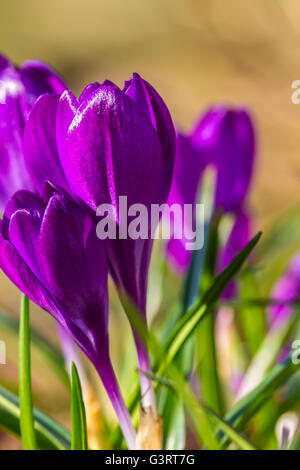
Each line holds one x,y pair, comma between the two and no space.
223,138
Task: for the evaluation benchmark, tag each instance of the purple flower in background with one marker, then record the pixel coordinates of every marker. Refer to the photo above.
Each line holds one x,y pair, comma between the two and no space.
49,249
19,89
223,138
109,143
237,240
285,291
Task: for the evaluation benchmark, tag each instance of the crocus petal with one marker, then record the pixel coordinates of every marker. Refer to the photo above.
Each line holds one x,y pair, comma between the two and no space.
238,239
66,110
88,91
23,230
13,175
38,78
110,146
73,243
40,149
285,291
178,255
227,136
20,274
150,102
20,200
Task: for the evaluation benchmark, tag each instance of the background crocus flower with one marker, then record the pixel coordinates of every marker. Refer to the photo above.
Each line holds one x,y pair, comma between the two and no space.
109,143
285,291
49,249
239,237
223,138
19,89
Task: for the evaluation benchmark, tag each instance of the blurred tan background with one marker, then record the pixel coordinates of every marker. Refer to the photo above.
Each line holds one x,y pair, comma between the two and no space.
196,53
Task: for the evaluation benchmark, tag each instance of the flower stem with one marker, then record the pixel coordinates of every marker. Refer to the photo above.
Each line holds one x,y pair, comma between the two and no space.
107,375
147,391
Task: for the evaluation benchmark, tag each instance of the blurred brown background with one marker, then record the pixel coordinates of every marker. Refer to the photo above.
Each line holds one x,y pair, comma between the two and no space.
196,53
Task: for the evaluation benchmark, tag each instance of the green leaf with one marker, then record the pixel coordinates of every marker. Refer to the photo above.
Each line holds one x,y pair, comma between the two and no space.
251,318
248,406
239,440
50,434
200,412
183,330
266,355
25,394
79,432
186,326
173,419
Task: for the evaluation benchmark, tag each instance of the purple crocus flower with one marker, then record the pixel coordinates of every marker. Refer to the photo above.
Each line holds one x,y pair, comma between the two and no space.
49,249
237,240
19,89
223,138
107,144
285,291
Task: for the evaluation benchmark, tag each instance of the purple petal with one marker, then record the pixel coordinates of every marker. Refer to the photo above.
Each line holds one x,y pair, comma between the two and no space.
238,239
178,255
23,230
21,200
74,263
108,139
228,138
88,91
20,274
40,149
285,291
150,102
38,78
66,110
13,175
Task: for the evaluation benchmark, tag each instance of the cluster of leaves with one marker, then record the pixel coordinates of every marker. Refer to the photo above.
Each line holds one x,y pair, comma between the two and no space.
183,347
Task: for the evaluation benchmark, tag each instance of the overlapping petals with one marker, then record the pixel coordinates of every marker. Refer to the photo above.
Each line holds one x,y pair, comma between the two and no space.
48,249
107,144
19,89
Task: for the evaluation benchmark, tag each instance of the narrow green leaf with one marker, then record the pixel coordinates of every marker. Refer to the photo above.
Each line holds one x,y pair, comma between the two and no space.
79,432
25,394
266,355
231,433
248,406
199,410
50,434
173,416
251,318
186,326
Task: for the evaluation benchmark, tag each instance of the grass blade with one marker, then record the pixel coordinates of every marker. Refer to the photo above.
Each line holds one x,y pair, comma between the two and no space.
50,434
79,432
248,406
186,326
25,394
